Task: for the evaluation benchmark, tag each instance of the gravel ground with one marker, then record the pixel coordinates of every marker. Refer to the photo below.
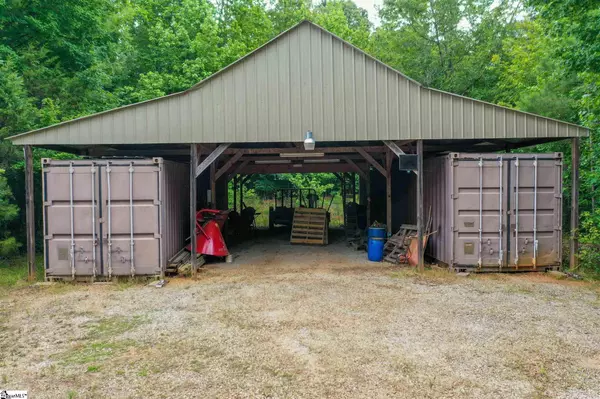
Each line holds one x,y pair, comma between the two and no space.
294,321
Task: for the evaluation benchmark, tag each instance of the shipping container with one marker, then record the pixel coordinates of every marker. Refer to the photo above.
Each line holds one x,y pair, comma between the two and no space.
113,217
495,212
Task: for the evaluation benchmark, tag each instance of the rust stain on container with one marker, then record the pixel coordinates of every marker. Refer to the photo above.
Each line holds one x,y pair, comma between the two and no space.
115,217
495,212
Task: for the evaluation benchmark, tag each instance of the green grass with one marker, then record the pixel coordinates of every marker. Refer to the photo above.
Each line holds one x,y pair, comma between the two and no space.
13,271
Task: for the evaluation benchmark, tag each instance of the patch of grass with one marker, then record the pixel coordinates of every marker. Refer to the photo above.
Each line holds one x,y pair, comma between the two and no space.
112,326
95,352
93,369
72,394
143,373
14,271
100,343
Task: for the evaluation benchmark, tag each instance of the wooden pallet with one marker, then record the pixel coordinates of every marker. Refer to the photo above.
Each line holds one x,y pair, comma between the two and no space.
310,226
397,247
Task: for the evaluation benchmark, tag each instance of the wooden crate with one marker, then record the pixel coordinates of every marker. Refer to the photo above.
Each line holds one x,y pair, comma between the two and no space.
310,226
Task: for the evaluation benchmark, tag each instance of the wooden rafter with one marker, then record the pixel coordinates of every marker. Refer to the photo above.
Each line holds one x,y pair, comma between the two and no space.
228,165
371,160
212,157
355,166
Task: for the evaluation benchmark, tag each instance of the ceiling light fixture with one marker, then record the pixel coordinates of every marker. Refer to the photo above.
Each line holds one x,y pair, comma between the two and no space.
301,154
309,141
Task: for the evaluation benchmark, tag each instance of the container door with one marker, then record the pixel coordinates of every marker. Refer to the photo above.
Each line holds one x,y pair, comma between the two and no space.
479,212
536,215
131,219
71,220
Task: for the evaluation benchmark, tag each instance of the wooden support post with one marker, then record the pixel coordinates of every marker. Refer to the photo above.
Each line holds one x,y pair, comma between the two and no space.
29,211
368,182
353,175
574,242
213,186
420,233
242,180
235,179
344,197
193,200
388,191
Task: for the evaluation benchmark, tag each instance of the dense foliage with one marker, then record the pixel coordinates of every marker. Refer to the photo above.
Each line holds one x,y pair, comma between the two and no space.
63,59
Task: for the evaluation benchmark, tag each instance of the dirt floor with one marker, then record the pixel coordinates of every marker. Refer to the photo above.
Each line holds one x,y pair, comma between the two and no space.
310,322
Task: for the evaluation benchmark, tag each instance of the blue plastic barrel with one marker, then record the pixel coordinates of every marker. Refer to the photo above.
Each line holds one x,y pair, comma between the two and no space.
375,249
379,232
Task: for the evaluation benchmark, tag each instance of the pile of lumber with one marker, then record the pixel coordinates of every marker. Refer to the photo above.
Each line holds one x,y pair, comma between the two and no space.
310,226
181,262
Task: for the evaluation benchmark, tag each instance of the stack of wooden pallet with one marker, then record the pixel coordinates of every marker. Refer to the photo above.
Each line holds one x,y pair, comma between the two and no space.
310,226
397,247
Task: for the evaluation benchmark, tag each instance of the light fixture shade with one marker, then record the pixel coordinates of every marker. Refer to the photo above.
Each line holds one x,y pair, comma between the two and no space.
309,141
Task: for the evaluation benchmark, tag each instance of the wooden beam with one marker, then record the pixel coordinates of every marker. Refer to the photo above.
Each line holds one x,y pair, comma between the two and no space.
394,147
420,233
239,167
193,200
213,186
212,157
354,156
574,239
289,168
388,191
29,212
228,164
326,150
354,166
371,160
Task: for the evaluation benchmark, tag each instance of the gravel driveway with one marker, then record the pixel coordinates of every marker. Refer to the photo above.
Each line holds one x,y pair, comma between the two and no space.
311,323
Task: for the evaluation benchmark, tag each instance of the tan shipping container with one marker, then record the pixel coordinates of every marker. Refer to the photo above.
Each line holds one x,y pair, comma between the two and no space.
495,212
113,217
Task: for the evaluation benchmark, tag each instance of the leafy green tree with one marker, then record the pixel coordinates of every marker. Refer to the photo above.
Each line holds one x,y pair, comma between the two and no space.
8,212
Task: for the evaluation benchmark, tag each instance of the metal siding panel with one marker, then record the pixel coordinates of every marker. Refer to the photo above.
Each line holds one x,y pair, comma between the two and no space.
477,110
488,126
164,128
415,122
305,81
456,118
218,109
350,132
436,111
403,107
328,91
283,87
229,107
175,120
360,75
273,104
261,123
447,116
316,73
382,102
295,83
338,88
392,107
371,99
